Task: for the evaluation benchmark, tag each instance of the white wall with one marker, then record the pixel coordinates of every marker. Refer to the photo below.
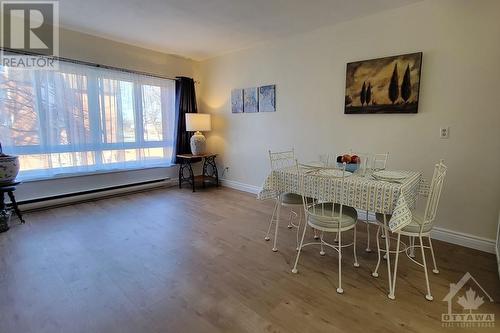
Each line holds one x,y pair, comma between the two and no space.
75,45
459,88
80,46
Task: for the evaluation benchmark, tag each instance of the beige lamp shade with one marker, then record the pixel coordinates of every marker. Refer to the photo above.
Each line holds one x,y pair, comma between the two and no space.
198,122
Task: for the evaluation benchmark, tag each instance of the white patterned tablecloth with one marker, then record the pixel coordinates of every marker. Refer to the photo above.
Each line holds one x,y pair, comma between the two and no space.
362,192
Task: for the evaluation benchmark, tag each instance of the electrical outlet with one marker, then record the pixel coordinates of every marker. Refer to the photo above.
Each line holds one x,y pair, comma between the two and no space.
224,171
444,132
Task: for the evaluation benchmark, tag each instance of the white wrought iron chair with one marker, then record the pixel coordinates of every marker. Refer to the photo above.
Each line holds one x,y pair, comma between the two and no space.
281,160
420,226
373,162
329,159
327,217
366,158
379,161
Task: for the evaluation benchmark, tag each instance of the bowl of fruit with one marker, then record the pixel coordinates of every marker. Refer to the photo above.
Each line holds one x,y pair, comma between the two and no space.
352,162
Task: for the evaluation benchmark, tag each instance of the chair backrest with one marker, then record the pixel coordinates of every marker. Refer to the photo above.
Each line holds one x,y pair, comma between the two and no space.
282,159
329,159
314,202
435,189
376,161
366,158
379,161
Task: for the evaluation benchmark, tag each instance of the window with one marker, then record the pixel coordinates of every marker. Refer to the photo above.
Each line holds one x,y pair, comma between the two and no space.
83,119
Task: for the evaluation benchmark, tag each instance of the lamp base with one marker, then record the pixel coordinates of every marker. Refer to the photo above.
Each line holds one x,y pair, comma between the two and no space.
198,143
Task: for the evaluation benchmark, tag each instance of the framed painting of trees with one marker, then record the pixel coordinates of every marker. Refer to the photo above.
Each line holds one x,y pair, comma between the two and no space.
384,85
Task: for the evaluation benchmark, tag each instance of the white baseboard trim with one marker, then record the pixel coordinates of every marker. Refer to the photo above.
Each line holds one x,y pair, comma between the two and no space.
240,186
463,239
439,233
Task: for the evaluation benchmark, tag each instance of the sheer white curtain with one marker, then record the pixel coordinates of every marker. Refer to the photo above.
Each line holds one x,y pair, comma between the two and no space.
83,119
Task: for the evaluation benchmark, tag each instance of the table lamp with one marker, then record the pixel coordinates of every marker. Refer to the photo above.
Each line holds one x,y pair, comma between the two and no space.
197,122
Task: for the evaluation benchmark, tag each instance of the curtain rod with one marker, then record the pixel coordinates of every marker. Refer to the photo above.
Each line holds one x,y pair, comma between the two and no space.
90,64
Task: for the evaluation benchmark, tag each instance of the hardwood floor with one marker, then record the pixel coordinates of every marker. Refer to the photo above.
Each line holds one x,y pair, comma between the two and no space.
175,261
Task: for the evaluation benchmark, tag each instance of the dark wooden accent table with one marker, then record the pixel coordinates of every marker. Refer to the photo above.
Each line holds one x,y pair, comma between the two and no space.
209,173
9,188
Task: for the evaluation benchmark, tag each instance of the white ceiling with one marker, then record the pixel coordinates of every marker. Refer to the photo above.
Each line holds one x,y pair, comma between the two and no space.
202,29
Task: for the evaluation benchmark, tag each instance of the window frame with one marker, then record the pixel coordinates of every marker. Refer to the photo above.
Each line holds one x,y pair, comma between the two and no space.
96,123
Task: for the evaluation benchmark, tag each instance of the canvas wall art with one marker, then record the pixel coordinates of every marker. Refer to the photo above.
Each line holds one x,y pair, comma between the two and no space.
384,85
237,100
267,98
250,100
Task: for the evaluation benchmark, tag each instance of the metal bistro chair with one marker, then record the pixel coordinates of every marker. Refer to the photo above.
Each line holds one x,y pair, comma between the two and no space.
420,226
328,160
282,160
327,217
379,161
373,162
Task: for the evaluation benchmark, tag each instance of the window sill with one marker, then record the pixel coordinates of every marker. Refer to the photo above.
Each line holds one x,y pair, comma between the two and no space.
95,173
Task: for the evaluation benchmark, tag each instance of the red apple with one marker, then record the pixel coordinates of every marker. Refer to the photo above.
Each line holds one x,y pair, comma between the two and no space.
346,158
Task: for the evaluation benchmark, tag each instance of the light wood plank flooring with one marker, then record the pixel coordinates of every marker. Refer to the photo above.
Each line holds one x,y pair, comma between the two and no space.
171,260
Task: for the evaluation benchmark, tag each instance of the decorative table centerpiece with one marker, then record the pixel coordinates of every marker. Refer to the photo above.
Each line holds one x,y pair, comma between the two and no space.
9,168
352,162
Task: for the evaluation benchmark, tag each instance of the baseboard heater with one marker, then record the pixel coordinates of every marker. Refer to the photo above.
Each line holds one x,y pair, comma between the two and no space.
91,195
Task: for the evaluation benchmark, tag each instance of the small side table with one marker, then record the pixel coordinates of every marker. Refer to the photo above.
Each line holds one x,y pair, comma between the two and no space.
209,173
9,189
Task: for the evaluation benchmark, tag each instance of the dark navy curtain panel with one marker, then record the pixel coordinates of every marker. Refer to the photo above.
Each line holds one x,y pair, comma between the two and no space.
185,102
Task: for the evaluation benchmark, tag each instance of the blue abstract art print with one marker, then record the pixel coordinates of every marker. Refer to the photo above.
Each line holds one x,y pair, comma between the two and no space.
267,98
237,100
251,100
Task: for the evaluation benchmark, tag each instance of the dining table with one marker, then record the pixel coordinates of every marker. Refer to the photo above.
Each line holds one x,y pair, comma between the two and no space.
361,189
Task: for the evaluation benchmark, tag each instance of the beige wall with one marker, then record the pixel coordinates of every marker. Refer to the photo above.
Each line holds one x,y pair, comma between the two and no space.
459,88
79,46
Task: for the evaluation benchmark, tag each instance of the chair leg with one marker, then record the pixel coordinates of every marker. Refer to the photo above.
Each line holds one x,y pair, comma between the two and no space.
387,253
336,240
428,296
368,249
322,250
393,290
339,289
388,241
315,234
435,270
412,247
294,269
290,217
271,222
298,229
375,272
277,224
356,264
